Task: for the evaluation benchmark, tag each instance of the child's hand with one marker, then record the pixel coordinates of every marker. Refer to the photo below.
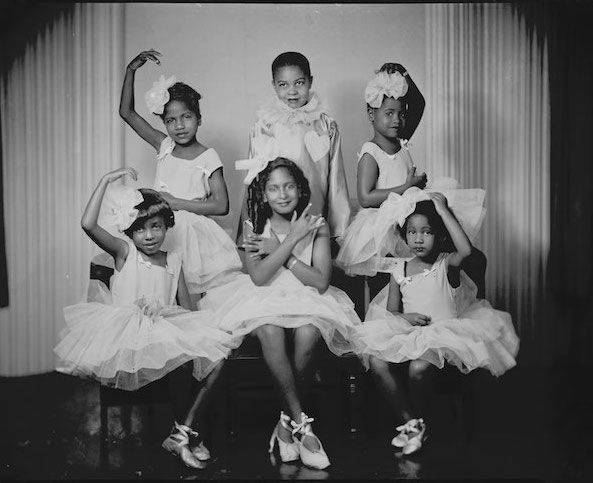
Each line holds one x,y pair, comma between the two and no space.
261,247
416,319
120,173
142,57
416,180
440,202
299,228
169,198
391,67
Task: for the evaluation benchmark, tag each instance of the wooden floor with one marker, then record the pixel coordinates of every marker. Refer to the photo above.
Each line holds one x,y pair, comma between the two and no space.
530,425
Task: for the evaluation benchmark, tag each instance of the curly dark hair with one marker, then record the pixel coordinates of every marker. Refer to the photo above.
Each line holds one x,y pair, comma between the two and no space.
257,209
293,59
153,205
183,93
443,242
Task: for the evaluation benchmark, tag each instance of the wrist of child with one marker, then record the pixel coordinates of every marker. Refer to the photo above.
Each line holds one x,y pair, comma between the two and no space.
291,262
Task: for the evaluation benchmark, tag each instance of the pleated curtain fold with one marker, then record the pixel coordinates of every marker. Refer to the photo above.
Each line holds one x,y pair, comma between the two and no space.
60,133
488,126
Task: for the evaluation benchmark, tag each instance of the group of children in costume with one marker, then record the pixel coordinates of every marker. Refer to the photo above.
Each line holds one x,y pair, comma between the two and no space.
179,301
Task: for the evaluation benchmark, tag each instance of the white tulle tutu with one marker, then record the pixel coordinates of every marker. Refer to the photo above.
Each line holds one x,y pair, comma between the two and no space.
129,346
479,336
241,307
210,257
372,236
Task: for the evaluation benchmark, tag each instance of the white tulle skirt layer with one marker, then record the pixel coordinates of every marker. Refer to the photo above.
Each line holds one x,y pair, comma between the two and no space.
210,257
480,337
242,307
127,347
372,236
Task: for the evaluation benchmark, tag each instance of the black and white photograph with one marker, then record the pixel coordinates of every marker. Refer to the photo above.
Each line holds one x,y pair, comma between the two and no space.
296,241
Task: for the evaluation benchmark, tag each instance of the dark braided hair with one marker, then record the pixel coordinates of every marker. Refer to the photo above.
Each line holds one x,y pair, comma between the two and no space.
258,210
183,93
443,242
153,205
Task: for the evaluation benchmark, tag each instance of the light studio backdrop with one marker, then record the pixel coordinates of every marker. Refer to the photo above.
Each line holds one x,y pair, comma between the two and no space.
482,69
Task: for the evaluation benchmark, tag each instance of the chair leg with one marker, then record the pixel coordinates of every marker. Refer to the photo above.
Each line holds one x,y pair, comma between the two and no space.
468,408
104,433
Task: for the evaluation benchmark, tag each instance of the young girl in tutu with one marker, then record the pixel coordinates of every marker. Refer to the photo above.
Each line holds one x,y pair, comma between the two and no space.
133,333
295,125
286,296
189,176
385,167
427,316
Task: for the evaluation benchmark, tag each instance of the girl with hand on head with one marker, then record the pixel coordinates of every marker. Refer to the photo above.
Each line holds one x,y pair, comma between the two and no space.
189,176
286,297
427,316
384,167
295,125
133,333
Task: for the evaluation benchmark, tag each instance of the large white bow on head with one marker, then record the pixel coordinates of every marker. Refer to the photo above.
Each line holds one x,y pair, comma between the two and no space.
384,84
158,95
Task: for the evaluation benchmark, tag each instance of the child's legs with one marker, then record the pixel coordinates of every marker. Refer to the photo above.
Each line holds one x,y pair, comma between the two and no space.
306,340
421,380
391,388
181,383
203,397
273,344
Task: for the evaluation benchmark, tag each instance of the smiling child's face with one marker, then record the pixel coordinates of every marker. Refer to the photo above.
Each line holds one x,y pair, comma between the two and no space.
292,86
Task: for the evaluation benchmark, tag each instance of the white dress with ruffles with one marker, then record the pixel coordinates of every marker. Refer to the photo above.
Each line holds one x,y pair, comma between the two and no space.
362,245
464,331
135,334
208,254
241,306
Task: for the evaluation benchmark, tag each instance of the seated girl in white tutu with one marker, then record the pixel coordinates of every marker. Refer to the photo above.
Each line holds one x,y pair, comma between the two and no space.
286,296
133,333
427,316
189,176
385,168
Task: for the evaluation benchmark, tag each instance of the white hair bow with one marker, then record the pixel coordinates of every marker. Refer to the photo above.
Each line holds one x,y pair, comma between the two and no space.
124,212
384,84
158,95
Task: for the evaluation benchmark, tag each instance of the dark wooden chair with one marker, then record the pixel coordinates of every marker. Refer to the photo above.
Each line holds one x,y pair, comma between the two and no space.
156,392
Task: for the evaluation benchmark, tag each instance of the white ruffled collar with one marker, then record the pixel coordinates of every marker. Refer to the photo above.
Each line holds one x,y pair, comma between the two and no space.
275,111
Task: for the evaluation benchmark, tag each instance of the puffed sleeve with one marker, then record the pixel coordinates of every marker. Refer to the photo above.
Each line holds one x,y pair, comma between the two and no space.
338,199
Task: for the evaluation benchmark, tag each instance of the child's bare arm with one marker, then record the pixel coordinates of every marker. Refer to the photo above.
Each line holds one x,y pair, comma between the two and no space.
371,197
127,111
394,305
458,236
216,204
116,247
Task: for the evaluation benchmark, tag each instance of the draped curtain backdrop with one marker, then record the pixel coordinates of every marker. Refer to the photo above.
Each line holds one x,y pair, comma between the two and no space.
488,125
60,131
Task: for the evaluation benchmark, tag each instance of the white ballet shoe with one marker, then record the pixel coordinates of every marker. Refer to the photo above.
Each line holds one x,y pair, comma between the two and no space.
314,459
177,443
288,451
401,439
200,451
415,435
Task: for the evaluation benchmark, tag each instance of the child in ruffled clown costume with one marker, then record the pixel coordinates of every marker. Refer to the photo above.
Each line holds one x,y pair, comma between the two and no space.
295,125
